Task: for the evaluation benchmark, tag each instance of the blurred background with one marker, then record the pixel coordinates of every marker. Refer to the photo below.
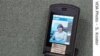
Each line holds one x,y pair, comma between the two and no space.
23,26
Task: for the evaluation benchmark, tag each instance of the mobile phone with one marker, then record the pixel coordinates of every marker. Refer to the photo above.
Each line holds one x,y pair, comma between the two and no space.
61,29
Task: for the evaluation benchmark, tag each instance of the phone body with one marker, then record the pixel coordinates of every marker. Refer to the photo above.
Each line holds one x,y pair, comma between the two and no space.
61,29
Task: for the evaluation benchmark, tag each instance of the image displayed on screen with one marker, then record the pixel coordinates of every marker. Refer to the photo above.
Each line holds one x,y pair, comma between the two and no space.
61,29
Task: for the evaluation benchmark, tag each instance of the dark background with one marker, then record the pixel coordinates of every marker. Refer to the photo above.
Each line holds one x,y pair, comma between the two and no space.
23,26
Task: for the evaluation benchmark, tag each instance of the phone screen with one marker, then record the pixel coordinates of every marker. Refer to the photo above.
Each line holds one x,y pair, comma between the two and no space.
60,33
